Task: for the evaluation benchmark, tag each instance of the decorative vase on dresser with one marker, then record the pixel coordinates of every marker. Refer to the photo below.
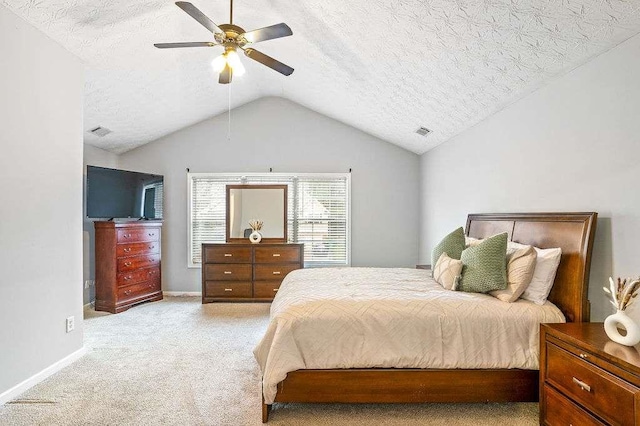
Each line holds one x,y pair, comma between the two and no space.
237,272
128,256
587,379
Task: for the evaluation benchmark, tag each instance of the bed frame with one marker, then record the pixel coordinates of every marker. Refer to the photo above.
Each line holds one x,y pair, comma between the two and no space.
573,232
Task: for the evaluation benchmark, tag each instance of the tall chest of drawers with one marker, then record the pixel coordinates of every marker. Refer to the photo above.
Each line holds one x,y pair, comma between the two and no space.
587,379
247,272
128,259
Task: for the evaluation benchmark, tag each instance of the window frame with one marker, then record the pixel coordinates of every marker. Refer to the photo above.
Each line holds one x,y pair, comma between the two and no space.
242,176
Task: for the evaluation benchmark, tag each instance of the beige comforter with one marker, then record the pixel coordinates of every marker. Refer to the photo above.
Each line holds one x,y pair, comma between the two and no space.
392,317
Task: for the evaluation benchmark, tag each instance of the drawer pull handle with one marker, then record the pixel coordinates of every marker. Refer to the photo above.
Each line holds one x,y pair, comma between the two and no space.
127,235
127,250
276,254
275,289
228,289
150,247
127,263
227,272
276,272
582,385
151,234
228,255
127,292
128,277
151,272
584,356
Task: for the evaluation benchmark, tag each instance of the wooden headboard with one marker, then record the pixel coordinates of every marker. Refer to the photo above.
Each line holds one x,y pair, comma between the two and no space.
572,232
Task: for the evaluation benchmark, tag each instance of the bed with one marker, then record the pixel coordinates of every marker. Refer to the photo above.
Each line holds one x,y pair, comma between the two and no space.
572,232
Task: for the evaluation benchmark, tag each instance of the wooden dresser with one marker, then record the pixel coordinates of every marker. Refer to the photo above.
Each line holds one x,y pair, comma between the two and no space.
237,272
127,264
587,379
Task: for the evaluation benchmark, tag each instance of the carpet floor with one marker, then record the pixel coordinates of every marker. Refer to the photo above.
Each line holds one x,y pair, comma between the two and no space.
178,362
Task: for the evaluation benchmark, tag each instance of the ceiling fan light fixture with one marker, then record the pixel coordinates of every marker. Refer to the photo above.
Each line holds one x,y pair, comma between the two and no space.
235,63
219,63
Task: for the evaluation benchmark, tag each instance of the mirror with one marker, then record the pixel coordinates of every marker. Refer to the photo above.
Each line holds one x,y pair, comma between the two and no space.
266,203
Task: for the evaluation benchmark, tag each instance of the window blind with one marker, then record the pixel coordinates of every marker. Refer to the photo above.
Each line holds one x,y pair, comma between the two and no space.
318,213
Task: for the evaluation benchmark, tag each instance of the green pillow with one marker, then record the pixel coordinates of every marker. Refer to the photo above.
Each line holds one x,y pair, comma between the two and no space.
452,244
485,266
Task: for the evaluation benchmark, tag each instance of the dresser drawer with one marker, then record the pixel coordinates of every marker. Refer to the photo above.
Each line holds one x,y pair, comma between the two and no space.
562,412
604,394
133,277
137,262
277,254
138,235
138,290
265,289
227,289
227,254
230,272
132,249
272,272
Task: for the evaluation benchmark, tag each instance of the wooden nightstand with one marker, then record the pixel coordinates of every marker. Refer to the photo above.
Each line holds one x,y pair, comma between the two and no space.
423,266
587,379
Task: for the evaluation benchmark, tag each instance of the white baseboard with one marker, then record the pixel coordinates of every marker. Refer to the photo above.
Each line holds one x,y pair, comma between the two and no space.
182,293
42,375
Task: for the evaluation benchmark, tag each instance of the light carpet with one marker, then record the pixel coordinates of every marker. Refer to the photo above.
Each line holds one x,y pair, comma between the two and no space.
178,362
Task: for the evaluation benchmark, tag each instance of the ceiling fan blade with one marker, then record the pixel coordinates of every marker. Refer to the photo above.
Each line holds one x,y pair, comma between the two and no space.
185,44
268,61
196,14
267,33
225,75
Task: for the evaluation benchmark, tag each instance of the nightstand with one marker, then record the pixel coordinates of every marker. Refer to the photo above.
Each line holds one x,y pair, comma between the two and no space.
587,379
423,266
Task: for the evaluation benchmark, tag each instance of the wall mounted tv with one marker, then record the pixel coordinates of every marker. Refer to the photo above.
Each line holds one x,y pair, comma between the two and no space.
119,194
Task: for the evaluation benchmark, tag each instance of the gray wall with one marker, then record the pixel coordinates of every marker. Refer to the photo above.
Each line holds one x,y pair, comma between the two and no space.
277,133
94,157
572,146
41,186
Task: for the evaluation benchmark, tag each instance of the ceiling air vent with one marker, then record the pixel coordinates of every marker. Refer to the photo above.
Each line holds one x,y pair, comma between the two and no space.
423,131
100,131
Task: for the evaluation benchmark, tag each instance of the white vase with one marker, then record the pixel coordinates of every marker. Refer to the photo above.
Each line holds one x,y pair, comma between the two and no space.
255,237
621,320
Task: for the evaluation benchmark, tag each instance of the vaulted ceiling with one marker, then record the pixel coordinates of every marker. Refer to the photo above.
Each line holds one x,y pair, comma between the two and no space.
385,67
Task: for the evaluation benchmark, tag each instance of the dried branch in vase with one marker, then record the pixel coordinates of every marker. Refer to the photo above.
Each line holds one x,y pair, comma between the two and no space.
255,224
622,292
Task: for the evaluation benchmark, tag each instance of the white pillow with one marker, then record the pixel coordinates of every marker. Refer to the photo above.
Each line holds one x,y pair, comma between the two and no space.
471,242
543,275
447,272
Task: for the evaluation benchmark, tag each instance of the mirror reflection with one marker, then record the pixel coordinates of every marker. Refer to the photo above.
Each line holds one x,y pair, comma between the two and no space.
265,203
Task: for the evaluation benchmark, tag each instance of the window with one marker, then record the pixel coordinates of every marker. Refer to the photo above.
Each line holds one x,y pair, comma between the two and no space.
318,212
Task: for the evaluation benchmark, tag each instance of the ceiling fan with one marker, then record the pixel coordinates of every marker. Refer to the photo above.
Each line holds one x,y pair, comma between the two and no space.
232,38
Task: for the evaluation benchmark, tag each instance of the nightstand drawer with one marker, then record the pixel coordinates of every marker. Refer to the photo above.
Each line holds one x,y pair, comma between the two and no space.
227,254
281,254
273,272
229,272
561,411
227,289
604,394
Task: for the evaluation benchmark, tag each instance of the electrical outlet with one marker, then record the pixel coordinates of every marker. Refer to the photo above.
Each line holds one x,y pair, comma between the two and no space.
89,283
71,324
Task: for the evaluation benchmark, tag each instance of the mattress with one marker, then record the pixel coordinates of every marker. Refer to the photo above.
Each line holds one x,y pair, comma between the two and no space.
330,318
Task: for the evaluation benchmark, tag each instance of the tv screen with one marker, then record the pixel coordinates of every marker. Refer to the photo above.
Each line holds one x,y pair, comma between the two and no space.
113,194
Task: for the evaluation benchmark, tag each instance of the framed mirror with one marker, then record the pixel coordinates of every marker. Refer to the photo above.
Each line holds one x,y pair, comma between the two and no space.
266,203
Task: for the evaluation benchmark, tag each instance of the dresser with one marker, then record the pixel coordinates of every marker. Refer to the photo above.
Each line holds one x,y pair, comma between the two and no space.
237,272
127,257
587,379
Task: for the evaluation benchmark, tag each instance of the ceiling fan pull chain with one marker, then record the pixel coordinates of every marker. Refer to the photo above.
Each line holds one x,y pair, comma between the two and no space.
229,114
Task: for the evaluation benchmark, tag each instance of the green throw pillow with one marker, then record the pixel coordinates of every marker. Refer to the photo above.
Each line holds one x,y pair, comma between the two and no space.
485,266
452,244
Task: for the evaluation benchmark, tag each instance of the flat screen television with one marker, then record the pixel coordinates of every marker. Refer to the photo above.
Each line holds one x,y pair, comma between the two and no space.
119,194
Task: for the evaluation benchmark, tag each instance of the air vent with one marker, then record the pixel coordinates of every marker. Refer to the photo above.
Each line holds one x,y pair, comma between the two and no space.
100,131
423,131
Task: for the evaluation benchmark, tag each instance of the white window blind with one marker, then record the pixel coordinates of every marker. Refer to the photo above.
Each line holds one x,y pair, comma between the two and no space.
318,213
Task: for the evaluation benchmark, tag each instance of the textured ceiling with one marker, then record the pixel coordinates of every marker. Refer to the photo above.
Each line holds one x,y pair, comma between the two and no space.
385,67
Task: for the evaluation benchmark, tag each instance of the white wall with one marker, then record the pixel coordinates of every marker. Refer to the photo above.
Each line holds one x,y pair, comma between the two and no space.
572,146
277,133
94,157
41,87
